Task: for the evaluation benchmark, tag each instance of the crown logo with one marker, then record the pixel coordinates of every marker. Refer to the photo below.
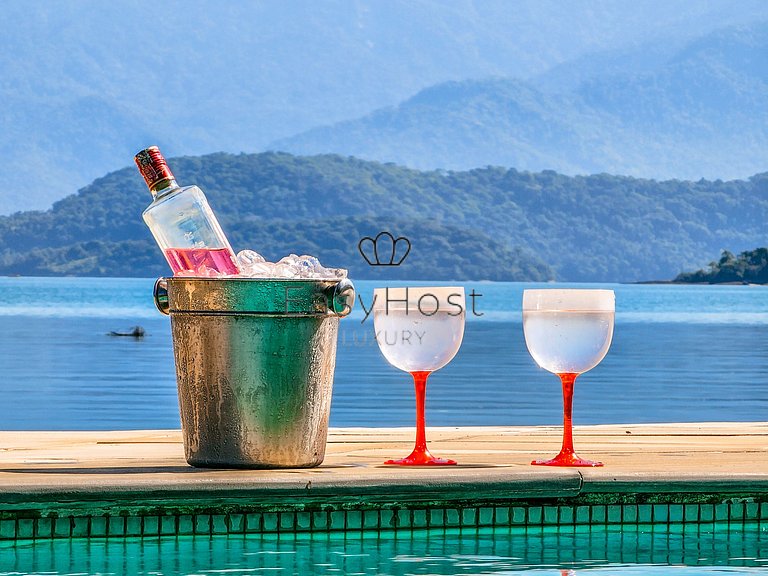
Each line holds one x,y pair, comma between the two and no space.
384,250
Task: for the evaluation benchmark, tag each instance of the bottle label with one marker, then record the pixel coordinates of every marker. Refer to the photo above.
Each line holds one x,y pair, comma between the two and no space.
153,166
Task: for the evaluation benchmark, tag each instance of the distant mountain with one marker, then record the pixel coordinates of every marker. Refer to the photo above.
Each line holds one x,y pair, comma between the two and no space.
701,111
84,85
482,224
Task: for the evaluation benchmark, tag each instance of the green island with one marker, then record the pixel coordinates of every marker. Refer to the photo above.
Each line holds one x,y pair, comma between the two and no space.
490,223
749,267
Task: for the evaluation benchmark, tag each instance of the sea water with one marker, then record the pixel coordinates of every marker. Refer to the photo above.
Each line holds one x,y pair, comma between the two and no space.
679,353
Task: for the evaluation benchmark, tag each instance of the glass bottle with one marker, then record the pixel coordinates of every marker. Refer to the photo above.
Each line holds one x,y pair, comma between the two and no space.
183,223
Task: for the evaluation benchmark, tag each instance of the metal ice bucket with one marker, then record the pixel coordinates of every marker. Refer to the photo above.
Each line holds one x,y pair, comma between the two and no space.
254,367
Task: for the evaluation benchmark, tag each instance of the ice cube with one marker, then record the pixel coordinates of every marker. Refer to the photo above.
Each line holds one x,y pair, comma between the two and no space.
284,270
290,260
250,263
306,265
247,258
307,261
262,270
253,265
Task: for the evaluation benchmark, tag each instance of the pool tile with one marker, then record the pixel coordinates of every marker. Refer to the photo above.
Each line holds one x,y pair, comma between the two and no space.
202,524
287,521
485,517
167,526
43,527
722,512
303,521
219,524
452,517
7,529
566,515
62,527
629,514
518,515
550,515
436,518
386,519
582,515
185,525
133,526
502,516
371,520
25,528
403,518
150,526
253,522
675,557
320,520
80,527
419,518
116,526
676,514
614,514
338,520
535,515
98,526
354,520
706,513
599,514
236,523
645,540
751,511
691,513
737,512
644,514
469,517
660,513
270,521
764,511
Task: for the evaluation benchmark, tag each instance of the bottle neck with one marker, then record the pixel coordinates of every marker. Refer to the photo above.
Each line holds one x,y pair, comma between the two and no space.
155,171
163,187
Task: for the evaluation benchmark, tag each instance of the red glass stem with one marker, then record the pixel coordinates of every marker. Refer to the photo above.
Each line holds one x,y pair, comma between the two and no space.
420,455
420,384
568,379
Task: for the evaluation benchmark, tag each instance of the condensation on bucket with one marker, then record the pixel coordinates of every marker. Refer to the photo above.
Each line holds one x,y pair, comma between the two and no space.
255,383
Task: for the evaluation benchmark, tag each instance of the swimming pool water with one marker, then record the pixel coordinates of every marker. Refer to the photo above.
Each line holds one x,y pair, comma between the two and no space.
685,550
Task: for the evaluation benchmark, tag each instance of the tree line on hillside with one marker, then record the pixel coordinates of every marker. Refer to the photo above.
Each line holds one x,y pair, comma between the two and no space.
489,223
749,267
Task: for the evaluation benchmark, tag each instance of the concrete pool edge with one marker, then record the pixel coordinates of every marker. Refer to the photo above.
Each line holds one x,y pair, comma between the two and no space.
136,483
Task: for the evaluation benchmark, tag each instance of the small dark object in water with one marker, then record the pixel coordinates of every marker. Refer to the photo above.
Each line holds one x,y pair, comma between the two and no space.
136,332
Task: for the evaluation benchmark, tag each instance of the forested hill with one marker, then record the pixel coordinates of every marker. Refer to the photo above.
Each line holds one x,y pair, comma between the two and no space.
490,223
749,267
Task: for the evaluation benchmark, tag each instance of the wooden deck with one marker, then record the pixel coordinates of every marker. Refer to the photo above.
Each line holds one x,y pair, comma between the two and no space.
52,478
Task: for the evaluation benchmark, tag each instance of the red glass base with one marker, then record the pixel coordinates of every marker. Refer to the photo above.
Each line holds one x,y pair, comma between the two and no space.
421,459
567,459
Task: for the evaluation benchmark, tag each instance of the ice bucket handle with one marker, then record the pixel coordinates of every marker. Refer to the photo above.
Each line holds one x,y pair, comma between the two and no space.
161,296
342,297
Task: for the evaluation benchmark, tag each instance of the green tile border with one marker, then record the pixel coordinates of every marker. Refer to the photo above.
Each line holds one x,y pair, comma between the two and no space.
366,516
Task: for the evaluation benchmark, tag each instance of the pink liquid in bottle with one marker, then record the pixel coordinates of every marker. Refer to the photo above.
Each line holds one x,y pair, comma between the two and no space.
201,261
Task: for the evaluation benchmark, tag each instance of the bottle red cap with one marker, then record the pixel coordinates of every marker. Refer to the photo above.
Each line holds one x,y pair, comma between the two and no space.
153,166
